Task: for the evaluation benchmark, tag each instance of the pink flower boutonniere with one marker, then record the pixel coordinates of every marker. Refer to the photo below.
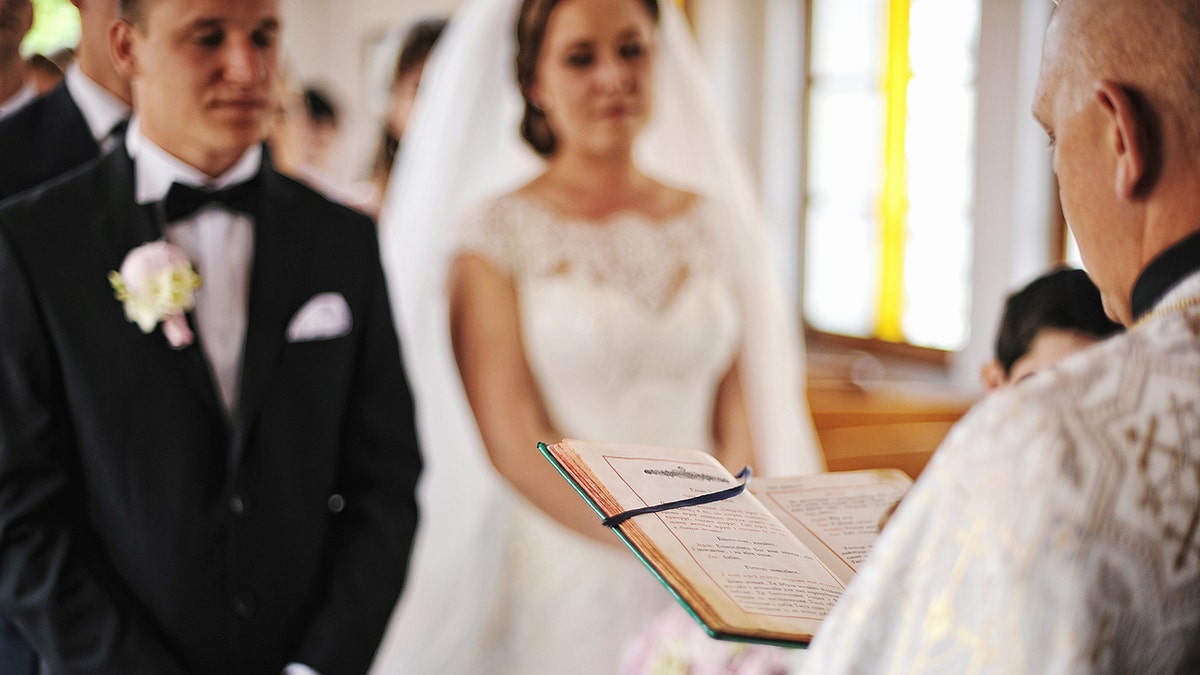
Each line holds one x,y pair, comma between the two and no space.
157,283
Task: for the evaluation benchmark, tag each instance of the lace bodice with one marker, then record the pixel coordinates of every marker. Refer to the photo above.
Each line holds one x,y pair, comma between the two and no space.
644,259
628,323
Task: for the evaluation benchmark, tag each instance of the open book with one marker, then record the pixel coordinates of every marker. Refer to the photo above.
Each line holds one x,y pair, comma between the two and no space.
764,566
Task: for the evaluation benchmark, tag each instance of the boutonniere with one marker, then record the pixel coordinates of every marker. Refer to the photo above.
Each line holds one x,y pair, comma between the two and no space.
157,283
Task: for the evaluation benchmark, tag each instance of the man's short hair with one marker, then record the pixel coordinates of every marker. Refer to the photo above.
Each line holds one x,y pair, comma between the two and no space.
1064,299
131,10
1155,44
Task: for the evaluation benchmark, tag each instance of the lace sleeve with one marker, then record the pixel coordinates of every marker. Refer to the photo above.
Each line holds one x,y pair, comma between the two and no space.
485,231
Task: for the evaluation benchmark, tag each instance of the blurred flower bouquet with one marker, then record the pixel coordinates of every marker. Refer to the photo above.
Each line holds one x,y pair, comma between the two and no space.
674,644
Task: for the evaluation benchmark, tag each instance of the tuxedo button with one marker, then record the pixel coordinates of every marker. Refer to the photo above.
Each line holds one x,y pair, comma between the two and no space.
243,606
336,503
237,504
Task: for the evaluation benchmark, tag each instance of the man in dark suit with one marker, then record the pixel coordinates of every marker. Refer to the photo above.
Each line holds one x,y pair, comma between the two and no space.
16,85
235,498
74,122
47,137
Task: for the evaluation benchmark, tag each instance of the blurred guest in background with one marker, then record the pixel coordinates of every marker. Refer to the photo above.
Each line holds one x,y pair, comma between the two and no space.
303,143
44,72
17,86
323,128
62,57
410,64
75,121
51,135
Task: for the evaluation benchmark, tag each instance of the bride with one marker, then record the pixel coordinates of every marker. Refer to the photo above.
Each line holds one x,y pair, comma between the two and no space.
605,278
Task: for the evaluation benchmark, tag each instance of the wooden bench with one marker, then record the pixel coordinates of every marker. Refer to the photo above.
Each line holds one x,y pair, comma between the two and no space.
894,424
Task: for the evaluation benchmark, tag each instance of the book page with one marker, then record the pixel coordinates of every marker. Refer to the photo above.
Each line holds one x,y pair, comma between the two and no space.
836,515
733,555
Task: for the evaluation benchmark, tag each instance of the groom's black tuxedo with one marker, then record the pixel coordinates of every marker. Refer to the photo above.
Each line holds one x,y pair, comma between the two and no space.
142,531
43,140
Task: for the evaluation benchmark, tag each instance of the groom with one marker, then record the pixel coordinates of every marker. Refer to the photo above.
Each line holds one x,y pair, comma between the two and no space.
235,497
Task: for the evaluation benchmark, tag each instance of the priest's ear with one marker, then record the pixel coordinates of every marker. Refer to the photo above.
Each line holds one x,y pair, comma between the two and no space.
1130,138
123,47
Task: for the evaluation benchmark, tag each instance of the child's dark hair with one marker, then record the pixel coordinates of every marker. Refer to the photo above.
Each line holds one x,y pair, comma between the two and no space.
1064,299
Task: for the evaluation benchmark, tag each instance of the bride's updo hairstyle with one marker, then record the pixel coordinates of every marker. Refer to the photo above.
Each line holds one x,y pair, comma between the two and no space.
531,30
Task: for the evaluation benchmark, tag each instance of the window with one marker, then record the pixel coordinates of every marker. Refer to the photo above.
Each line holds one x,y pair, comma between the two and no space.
889,194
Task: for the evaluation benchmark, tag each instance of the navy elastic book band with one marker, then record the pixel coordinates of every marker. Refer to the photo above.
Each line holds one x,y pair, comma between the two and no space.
744,474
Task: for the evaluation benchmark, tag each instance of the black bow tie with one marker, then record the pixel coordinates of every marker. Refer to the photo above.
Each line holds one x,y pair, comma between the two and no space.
118,130
183,200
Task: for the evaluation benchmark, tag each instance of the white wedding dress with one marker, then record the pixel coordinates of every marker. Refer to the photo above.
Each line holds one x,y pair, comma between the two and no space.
628,326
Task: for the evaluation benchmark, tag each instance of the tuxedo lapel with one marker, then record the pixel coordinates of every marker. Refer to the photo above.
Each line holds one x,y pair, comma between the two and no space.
124,225
66,140
278,259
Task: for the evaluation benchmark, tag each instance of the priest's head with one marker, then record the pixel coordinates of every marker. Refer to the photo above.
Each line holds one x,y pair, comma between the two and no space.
1119,97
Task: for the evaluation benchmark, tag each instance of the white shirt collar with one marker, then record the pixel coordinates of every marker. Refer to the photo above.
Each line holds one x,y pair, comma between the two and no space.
155,169
101,110
25,94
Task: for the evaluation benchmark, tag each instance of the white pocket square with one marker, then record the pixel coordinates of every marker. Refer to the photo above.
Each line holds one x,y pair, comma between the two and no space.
324,317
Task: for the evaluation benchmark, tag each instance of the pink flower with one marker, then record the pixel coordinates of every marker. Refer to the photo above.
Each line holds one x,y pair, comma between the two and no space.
178,332
157,283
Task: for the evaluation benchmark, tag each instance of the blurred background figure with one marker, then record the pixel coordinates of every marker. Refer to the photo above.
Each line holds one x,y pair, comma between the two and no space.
62,57
44,72
1054,316
75,121
323,127
304,141
288,135
410,65
43,137
17,85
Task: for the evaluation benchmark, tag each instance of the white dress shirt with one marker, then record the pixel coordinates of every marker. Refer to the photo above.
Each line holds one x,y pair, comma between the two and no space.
101,110
219,242
25,94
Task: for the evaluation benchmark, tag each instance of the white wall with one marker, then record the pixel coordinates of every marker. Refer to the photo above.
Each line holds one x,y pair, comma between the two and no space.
758,74
755,56
1013,186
